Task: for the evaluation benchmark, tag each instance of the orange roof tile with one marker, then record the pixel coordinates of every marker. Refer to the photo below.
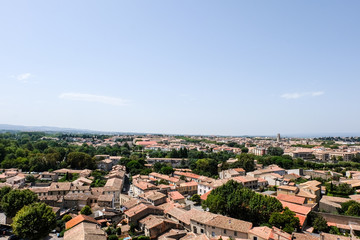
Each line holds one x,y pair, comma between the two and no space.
79,219
291,199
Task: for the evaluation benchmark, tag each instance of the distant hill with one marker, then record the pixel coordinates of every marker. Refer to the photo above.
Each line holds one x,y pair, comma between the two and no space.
9,127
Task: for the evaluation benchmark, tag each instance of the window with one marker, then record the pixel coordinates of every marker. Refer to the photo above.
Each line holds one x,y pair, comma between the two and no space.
213,227
202,230
224,231
235,233
255,238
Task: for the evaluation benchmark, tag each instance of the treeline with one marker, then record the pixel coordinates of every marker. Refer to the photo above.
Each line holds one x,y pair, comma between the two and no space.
29,152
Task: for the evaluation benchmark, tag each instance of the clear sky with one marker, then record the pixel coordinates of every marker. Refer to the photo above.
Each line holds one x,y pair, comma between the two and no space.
183,67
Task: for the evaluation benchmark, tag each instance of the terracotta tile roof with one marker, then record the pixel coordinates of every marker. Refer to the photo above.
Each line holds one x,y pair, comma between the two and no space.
244,179
223,222
291,199
105,198
175,195
288,188
304,236
230,224
85,231
139,208
80,218
60,186
187,174
205,195
188,184
296,208
262,232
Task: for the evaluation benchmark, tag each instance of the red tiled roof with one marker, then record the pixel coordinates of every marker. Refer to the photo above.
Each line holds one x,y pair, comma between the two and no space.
205,195
175,195
291,199
79,219
302,219
296,208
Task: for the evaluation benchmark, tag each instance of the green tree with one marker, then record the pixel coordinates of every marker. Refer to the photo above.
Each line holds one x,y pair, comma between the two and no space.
353,210
320,224
86,210
80,160
113,237
16,200
244,150
66,218
167,170
275,151
34,221
285,220
196,198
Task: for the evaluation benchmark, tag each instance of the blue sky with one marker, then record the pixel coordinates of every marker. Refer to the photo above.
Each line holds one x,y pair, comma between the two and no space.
182,67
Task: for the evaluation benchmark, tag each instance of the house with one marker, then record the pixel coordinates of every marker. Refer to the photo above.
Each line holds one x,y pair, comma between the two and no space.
291,199
153,225
17,181
176,197
114,187
288,190
105,164
266,233
59,188
106,201
153,197
182,216
332,204
48,176
247,181
139,187
311,190
171,180
188,188
140,211
213,225
83,228
188,175
208,184
229,173
75,200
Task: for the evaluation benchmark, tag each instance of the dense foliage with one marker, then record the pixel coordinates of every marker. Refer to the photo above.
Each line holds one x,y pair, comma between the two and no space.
234,200
15,200
34,221
285,220
341,190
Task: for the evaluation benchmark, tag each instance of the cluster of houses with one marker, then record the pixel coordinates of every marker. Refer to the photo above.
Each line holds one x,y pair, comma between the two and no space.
158,205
